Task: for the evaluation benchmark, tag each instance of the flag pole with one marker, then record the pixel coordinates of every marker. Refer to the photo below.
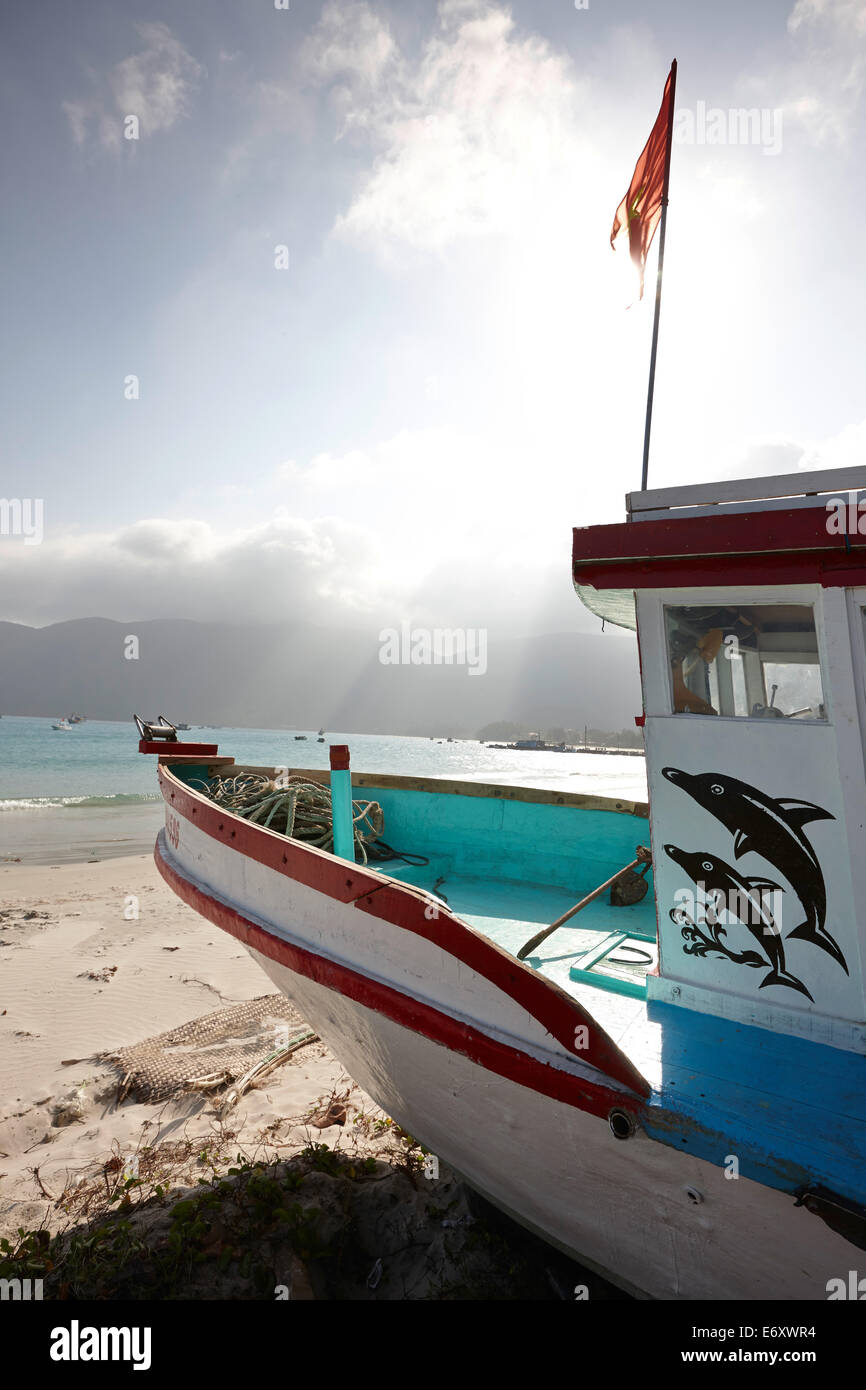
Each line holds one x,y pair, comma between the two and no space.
660,273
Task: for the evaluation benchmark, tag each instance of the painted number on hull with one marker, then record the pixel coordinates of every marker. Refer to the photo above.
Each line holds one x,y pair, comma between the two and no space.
172,829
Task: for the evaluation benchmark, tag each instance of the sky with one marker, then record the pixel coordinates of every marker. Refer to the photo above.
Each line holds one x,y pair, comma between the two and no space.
356,267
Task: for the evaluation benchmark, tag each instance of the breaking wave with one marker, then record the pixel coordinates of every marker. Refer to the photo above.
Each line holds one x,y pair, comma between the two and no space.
45,803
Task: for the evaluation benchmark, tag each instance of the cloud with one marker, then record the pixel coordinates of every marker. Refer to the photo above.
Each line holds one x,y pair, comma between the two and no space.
823,86
434,496
156,85
772,455
350,44
425,544
464,134
321,571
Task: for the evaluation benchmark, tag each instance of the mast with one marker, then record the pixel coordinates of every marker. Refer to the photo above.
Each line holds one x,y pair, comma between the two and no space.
659,275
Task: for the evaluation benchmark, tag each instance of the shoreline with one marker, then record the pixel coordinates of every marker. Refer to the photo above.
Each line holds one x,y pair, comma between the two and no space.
67,835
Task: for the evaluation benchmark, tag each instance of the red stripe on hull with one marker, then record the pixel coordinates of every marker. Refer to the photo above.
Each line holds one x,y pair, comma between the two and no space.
420,1018
404,907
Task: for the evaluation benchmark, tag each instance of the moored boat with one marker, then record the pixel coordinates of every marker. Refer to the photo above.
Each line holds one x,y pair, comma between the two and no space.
669,1088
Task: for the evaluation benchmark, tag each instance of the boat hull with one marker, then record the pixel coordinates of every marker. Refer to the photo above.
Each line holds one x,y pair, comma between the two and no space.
478,1078
623,1208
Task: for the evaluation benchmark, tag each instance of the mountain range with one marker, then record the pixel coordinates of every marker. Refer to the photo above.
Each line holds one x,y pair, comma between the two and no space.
298,676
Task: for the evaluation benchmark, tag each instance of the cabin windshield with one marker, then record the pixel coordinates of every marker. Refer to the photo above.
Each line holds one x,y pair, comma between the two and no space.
748,661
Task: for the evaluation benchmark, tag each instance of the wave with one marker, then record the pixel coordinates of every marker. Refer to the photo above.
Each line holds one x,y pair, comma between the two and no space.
44,803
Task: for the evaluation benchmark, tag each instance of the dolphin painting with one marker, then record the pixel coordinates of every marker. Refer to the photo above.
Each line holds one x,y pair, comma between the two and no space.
773,829
744,898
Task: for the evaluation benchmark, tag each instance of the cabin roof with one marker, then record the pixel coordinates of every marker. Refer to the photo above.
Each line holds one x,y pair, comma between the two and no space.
799,528
779,490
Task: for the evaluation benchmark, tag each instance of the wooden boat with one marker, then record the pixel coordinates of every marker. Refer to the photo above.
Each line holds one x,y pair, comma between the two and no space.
671,1091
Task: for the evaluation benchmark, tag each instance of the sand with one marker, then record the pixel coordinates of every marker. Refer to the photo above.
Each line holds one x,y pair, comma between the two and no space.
81,975
98,956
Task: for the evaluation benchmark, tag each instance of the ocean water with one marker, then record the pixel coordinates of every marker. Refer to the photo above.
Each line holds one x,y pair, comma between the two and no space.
97,764
89,793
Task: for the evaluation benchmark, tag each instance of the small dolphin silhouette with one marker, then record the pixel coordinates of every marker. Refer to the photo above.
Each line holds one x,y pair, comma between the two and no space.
773,829
744,899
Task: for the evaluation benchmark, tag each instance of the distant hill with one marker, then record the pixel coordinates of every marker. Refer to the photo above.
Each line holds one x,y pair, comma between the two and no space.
298,676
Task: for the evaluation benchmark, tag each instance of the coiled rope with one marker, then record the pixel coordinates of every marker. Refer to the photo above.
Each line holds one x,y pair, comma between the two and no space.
293,806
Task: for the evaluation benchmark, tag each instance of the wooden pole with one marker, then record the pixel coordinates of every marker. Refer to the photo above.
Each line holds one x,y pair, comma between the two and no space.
643,858
659,274
341,801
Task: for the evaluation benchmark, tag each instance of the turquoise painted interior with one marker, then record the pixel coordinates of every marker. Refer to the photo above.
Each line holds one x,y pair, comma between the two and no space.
508,868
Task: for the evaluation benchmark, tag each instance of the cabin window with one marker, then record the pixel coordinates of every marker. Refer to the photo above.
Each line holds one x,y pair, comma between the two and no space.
755,661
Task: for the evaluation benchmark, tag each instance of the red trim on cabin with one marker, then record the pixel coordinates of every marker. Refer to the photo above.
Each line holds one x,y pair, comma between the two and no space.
404,907
790,546
418,1017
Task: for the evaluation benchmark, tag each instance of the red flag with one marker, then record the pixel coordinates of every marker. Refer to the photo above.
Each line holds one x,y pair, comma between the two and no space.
641,208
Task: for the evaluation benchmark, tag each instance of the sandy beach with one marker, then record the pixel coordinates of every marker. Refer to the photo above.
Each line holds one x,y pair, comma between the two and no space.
101,956
80,979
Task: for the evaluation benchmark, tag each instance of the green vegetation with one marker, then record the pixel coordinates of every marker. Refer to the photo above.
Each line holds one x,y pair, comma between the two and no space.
323,1225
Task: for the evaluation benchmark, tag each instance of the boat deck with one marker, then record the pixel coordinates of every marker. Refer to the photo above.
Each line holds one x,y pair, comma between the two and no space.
610,948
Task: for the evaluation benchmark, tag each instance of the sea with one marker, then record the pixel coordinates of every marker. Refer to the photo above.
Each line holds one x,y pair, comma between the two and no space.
89,794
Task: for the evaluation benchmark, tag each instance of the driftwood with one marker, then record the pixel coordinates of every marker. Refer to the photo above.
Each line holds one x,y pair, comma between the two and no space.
264,1066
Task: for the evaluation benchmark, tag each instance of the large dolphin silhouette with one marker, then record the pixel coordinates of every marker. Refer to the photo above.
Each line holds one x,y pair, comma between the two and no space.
743,898
773,829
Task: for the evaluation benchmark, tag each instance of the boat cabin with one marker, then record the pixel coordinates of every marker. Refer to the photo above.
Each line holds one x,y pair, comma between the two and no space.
749,604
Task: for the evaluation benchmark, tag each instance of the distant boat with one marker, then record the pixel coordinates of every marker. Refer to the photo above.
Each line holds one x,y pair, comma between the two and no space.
76,718
184,726
62,726
321,731
300,738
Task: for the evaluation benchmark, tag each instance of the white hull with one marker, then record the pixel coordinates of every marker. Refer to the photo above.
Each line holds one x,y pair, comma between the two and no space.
621,1208
474,1075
